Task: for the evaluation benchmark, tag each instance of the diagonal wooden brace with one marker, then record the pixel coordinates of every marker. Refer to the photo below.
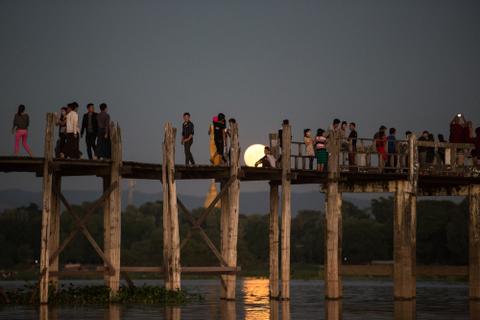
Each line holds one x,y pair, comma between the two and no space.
81,222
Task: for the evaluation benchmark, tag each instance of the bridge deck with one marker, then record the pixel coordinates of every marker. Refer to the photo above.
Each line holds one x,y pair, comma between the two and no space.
354,181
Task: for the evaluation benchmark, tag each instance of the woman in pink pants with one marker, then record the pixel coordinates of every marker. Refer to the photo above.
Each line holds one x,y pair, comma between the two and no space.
20,129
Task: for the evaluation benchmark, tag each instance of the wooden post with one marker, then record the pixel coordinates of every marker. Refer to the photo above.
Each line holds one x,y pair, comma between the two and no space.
233,211
474,242
333,310
224,214
106,227
171,233
404,310
333,222
404,229
46,209
115,211
55,226
286,213
274,240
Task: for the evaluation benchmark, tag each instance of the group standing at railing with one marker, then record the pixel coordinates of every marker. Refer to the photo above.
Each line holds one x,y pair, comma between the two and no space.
356,153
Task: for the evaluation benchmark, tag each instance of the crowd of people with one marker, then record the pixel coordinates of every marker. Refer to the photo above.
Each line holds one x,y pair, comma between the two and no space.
96,129
94,126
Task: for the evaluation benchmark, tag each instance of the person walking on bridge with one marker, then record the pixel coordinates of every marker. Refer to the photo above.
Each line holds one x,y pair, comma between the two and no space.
103,143
21,121
71,147
90,127
187,138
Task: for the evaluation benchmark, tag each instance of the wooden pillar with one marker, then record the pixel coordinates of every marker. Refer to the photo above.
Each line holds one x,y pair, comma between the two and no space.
274,240
114,213
228,310
55,226
333,310
233,212
46,209
224,215
171,233
404,310
106,227
333,222
404,229
286,213
474,242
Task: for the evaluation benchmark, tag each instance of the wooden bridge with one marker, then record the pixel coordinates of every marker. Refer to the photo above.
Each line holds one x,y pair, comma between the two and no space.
403,176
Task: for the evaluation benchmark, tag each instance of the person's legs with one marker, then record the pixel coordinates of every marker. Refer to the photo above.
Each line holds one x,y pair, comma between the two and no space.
17,143
188,154
24,142
101,144
90,140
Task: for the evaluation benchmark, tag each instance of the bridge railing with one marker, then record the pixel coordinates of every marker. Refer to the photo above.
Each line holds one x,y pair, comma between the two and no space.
371,155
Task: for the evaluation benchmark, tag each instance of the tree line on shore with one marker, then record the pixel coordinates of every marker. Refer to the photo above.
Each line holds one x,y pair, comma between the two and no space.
442,236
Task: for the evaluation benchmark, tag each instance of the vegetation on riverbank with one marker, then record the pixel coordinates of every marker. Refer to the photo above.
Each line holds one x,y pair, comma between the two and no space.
98,295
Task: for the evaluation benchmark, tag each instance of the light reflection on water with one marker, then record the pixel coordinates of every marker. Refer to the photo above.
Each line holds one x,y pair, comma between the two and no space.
363,299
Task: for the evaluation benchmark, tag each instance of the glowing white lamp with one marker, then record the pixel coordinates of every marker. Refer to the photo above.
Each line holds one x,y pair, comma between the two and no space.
253,153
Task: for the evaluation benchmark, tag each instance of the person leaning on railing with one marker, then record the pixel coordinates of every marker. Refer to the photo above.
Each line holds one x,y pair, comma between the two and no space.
476,150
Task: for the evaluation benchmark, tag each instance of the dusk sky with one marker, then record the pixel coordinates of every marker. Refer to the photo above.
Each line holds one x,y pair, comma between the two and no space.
405,64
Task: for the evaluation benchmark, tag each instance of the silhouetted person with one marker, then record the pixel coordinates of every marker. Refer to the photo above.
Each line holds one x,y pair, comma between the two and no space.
441,150
103,144
219,132
90,127
392,148
21,121
321,150
422,151
352,138
267,161
187,138
61,122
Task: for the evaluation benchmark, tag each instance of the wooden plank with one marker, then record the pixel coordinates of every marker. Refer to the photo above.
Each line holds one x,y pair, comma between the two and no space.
273,241
333,221
474,242
286,214
55,226
46,209
172,252
233,211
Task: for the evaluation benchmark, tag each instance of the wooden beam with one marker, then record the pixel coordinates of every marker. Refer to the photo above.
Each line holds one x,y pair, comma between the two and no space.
106,181
84,219
171,228
286,213
273,241
233,211
82,227
115,212
405,229
55,226
46,209
474,242
333,221
224,214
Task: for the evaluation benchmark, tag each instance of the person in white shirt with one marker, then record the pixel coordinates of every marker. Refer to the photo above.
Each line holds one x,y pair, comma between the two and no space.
71,148
268,161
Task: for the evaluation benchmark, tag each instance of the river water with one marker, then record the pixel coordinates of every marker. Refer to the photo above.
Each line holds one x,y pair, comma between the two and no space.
363,299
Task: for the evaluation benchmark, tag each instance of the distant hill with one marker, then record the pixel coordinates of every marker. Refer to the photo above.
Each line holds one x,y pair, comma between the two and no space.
250,202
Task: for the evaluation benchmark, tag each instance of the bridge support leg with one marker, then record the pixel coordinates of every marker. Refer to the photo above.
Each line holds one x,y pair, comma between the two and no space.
333,242
55,226
273,239
112,217
171,235
474,242
333,222
233,212
224,218
286,214
404,229
46,210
